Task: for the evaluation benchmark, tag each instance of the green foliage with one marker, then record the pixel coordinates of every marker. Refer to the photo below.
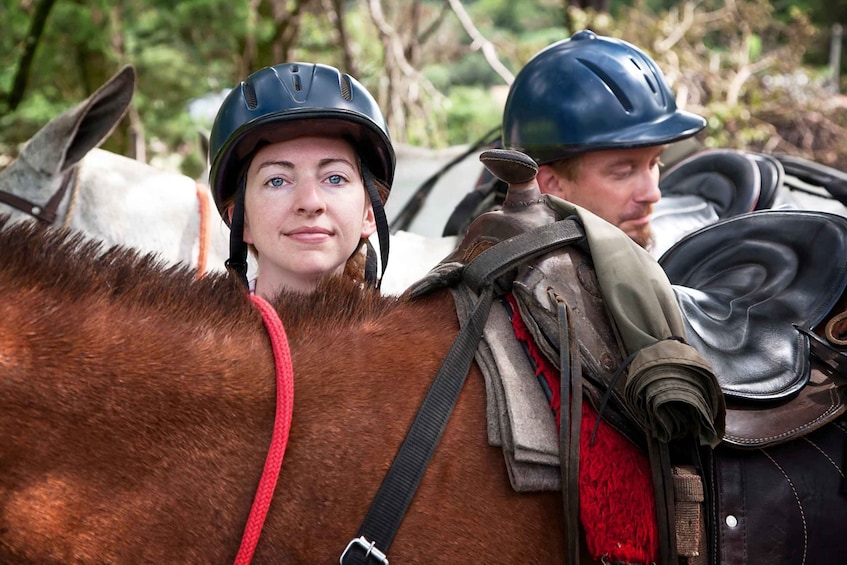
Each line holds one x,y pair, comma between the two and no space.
184,50
471,112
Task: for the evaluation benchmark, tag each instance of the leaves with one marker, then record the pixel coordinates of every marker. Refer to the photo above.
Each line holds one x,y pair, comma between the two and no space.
738,62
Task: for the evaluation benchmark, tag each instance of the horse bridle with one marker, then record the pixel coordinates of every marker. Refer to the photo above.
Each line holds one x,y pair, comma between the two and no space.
48,212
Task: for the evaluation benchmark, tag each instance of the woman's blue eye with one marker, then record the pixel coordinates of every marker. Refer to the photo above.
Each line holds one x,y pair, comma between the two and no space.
276,181
335,179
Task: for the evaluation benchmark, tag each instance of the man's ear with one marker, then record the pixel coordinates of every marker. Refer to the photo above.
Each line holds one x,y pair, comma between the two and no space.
548,182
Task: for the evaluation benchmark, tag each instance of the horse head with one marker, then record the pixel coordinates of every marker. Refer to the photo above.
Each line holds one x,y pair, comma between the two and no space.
34,183
62,177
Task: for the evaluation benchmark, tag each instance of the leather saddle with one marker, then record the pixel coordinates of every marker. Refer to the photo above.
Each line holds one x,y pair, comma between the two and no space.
713,185
752,288
802,174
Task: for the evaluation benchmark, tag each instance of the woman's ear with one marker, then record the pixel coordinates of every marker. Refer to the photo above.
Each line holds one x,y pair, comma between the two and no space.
368,221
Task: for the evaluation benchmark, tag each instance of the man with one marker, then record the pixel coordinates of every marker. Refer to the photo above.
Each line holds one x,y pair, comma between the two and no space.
596,113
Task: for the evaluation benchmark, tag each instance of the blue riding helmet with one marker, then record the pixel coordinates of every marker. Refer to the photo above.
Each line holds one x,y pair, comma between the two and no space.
284,102
590,93
334,103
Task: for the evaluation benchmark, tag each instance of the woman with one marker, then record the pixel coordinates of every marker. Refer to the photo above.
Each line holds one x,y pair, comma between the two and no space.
301,163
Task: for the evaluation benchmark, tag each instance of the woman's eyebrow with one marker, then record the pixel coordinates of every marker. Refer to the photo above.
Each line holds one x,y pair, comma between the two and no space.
333,160
276,163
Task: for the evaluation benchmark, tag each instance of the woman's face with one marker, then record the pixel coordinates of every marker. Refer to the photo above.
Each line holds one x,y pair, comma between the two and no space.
305,210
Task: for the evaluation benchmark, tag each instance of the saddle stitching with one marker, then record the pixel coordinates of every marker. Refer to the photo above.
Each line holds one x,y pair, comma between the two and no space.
825,454
834,406
796,498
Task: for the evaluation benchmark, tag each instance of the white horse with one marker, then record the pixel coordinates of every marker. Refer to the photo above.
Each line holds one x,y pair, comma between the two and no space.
61,177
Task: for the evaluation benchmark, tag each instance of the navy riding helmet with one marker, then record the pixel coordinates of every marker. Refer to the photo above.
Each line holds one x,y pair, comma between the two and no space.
335,104
590,93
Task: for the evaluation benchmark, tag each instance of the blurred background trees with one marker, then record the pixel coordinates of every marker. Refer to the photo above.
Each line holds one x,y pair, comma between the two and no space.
759,71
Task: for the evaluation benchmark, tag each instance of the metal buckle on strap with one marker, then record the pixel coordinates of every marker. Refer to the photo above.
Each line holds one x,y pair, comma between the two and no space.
370,550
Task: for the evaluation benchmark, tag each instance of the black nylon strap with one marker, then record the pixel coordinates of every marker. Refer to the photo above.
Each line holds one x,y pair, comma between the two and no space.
381,224
398,488
400,484
371,269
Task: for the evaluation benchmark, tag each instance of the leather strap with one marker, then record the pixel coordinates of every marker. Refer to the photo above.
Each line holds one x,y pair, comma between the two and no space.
570,417
663,483
400,484
48,212
395,494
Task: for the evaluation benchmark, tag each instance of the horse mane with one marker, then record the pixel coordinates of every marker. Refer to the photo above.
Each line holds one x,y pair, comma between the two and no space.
67,262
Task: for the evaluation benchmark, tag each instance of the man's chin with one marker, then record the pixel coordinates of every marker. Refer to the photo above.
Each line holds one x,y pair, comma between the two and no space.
642,236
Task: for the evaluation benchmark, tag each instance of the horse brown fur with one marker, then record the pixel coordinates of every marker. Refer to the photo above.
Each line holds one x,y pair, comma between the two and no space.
137,407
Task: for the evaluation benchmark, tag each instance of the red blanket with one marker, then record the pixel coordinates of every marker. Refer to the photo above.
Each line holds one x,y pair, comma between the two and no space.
617,506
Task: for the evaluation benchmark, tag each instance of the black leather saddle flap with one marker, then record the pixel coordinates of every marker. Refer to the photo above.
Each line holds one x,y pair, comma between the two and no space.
744,282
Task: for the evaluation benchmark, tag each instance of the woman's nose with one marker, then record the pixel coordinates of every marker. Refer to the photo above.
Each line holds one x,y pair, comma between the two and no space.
309,197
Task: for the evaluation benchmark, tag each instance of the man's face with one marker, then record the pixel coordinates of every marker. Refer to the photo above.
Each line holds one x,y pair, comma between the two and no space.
619,185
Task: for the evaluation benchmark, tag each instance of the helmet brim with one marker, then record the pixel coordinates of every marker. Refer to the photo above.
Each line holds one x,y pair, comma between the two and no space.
673,128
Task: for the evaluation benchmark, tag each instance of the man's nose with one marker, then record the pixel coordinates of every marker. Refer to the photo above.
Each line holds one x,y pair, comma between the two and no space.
648,189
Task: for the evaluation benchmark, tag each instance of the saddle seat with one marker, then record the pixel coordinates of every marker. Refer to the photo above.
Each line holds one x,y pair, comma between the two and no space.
745,285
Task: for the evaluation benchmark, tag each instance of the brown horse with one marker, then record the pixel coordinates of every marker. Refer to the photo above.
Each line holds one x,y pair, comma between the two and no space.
137,405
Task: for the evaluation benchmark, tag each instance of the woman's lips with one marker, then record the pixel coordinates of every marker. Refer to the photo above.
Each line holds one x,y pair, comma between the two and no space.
309,234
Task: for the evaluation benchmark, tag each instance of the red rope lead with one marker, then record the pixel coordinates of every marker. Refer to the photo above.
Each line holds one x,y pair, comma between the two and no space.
203,208
279,439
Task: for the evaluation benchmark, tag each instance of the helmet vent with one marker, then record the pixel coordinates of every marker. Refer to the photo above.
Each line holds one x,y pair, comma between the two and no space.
250,96
295,78
650,83
346,87
611,83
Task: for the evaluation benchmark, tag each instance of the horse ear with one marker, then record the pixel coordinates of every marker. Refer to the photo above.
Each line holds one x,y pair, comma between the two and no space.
67,138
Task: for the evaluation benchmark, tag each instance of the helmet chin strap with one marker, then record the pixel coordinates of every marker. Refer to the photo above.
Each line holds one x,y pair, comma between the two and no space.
381,230
237,261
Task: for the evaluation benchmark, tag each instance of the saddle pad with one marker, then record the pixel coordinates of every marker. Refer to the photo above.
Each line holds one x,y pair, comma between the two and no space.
742,285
